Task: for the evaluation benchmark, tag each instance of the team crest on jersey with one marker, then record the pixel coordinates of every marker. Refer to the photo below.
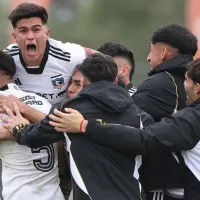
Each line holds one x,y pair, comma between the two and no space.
57,81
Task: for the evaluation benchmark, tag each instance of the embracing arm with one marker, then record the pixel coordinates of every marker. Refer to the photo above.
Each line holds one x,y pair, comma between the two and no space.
27,111
39,134
31,114
173,134
32,135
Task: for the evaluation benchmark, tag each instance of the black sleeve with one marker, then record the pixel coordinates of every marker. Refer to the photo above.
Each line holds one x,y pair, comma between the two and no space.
156,100
39,134
146,119
173,134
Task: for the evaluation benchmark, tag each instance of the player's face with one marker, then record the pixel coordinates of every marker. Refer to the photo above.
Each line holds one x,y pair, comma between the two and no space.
75,85
192,89
31,35
155,56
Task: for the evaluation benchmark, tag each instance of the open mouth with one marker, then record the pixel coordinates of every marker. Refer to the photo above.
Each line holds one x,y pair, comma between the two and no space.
31,49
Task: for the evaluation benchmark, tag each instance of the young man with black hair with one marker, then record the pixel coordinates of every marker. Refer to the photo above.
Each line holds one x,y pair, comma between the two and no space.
98,172
26,173
162,94
44,65
39,57
179,132
125,61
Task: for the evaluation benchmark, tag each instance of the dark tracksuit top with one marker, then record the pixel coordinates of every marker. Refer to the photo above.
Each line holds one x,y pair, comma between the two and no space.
98,172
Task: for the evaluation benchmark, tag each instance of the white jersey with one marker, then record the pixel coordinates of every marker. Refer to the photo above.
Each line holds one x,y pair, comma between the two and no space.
51,78
29,174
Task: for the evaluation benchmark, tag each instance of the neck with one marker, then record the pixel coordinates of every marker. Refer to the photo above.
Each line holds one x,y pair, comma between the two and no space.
5,82
33,63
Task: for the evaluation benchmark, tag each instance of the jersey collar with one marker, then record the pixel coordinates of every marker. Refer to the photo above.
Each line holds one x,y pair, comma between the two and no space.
5,87
40,69
9,86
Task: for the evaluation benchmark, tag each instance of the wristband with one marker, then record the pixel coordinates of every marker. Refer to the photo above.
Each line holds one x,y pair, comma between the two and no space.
18,128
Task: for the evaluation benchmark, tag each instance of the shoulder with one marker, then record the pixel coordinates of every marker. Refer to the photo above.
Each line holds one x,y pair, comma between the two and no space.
65,47
12,49
157,82
72,52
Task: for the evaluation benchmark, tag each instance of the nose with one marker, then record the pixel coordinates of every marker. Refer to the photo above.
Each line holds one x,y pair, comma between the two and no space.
148,58
30,35
71,89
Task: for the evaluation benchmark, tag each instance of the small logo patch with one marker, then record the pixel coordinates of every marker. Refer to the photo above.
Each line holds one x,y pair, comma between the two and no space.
57,81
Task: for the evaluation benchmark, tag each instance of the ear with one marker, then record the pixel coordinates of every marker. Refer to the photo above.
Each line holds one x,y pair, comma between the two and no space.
164,54
14,36
197,88
48,33
84,81
125,69
116,80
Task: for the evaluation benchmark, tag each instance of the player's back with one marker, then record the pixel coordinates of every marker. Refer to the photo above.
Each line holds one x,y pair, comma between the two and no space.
29,173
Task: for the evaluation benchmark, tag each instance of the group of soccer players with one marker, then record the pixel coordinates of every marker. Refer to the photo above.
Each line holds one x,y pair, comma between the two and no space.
50,90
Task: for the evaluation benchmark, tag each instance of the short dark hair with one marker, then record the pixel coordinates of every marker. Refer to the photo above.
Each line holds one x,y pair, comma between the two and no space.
194,70
120,50
28,10
176,36
97,67
7,64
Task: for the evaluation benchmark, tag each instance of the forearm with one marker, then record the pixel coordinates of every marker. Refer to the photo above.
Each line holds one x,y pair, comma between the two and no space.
40,134
166,136
32,114
118,137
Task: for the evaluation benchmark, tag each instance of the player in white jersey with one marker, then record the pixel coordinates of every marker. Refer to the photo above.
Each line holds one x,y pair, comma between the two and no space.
26,173
44,65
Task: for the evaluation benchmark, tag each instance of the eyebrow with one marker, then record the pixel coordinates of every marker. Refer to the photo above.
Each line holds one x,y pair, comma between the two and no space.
34,26
77,81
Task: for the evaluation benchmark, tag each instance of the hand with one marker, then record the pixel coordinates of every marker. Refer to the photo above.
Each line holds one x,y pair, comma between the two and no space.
66,122
8,101
5,134
13,120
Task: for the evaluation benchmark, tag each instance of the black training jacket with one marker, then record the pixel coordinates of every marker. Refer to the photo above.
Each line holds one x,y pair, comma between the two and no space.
161,95
179,132
98,172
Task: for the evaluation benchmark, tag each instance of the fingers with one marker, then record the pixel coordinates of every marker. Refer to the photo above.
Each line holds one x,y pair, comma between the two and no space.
8,126
55,118
16,109
59,113
60,130
4,119
8,111
1,109
56,124
70,110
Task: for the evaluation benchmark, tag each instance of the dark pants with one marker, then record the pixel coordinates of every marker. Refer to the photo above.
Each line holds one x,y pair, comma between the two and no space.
159,196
